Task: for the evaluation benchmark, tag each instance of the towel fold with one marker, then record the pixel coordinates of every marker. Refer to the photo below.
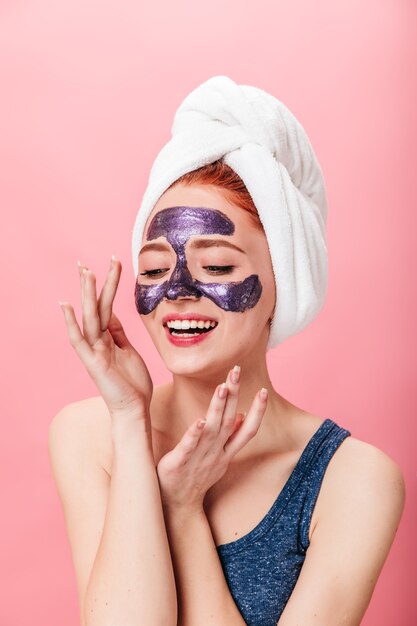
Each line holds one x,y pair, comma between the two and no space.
262,141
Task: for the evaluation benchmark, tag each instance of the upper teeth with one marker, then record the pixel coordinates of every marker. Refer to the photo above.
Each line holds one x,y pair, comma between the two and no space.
184,324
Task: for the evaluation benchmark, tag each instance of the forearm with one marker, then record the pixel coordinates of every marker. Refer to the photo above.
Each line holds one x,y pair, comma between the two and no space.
204,598
132,581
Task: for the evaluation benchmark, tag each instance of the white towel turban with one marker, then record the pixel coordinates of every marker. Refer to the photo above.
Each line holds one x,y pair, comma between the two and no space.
262,141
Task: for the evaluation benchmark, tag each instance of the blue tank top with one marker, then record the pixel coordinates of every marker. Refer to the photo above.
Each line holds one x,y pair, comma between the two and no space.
262,567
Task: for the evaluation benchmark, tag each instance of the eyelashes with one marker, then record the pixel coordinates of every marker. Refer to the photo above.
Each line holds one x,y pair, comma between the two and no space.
219,269
212,269
152,272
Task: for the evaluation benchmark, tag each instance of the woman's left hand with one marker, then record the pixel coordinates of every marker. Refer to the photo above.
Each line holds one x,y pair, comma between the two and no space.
203,454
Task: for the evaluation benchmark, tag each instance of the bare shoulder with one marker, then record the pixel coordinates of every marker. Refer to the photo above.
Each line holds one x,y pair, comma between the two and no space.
364,477
84,425
85,411
360,459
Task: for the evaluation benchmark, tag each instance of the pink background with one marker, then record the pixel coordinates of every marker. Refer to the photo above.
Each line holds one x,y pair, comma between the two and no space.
88,92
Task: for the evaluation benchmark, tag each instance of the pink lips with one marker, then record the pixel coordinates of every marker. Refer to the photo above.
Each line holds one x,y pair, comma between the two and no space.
186,316
184,342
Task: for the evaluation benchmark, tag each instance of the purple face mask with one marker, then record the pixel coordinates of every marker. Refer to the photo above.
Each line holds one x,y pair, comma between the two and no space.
178,224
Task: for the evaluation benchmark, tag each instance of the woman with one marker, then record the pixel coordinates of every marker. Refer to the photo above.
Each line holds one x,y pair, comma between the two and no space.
277,517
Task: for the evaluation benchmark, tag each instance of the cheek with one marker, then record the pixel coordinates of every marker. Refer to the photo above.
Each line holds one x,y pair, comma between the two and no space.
150,325
147,297
237,297
243,331
270,290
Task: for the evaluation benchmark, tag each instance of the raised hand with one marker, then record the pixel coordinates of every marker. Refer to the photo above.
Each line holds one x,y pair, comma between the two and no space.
117,369
203,454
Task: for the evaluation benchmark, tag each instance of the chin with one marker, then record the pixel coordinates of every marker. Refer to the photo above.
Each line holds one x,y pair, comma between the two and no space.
202,361
199,363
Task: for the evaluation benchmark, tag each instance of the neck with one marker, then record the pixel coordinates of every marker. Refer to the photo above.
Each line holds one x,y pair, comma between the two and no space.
188,398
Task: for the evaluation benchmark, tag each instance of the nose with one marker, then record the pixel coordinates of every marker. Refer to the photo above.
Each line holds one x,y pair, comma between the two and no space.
186,298
181,284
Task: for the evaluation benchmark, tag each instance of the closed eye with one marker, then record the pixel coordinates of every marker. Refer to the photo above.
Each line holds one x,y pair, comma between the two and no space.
152,272
219,269
212,269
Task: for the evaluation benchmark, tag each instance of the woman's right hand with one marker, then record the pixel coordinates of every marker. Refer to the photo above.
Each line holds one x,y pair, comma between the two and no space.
112,362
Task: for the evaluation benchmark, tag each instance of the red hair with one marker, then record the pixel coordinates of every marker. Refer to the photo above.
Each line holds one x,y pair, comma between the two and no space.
219,174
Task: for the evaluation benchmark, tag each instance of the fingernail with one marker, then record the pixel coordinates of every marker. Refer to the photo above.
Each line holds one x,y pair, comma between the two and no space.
263,393
201,423
235,375
223,390
113,258
79,263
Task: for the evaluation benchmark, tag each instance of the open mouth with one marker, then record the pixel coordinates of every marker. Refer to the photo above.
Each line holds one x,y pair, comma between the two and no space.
190,328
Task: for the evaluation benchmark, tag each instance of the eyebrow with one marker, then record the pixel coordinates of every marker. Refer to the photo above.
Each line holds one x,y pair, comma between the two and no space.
195,244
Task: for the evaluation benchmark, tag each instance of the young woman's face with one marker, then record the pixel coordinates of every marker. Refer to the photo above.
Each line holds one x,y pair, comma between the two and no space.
203,263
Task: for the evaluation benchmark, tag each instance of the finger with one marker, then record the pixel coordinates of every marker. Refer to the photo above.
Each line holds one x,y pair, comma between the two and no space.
81,273
250,425
108,292
115,328
188,444
184,449
215,411
229,413
238,422
75,335
91,320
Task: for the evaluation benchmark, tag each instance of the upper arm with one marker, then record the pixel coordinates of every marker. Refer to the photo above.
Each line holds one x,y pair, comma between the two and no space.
81,482
363,500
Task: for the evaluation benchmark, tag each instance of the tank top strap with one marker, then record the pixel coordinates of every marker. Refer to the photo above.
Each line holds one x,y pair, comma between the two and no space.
315,462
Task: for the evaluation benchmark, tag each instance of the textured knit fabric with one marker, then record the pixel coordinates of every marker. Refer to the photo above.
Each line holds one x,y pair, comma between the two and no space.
262,567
